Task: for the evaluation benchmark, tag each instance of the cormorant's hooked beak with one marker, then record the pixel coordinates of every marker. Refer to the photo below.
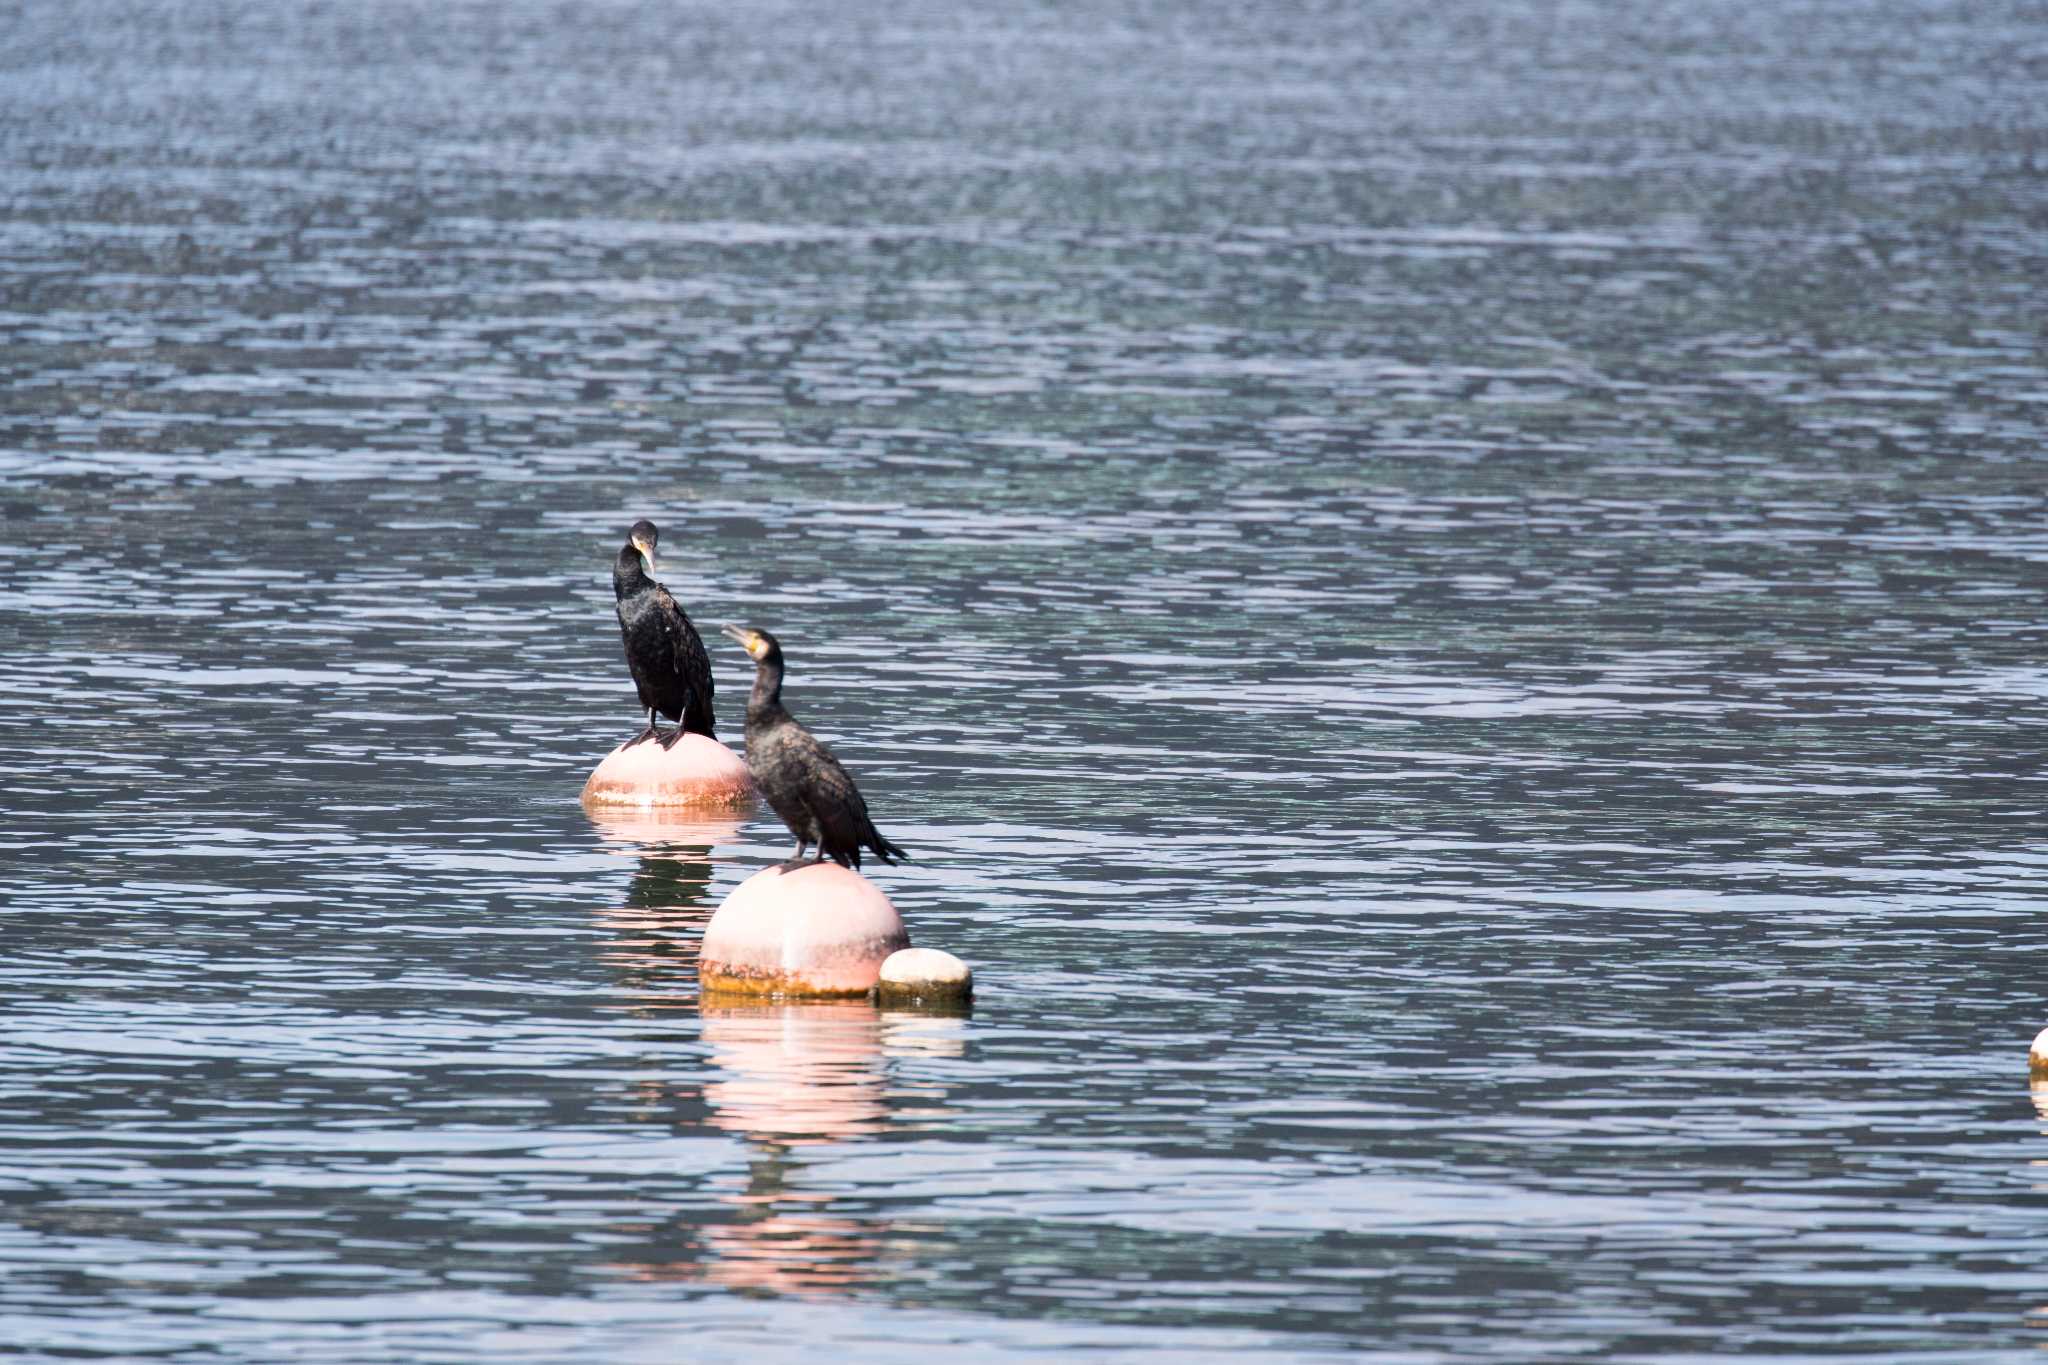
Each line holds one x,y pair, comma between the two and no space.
740,636
646,555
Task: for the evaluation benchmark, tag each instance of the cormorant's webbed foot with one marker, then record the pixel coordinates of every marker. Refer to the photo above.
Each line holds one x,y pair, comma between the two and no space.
642,737
670,741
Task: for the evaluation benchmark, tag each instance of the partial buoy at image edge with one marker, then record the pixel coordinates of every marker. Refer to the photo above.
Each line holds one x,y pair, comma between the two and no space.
2037,1056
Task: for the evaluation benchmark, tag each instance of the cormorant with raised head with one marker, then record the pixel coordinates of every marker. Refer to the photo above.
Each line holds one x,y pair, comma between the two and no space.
670,667
798,775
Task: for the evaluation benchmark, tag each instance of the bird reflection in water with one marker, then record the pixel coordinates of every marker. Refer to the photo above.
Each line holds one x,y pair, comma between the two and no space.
654,936
793,1076
798,1077
813,1075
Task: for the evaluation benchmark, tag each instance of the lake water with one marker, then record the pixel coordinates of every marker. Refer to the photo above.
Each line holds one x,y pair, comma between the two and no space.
1449,599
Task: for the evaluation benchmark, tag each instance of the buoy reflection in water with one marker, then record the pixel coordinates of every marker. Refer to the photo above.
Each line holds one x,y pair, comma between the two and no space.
798,1077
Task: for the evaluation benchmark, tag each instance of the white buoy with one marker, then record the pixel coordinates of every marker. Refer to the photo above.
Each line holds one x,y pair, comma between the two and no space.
924,976
2037,1055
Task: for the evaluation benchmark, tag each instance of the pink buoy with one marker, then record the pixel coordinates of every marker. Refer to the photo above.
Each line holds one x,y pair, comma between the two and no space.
694,771
821,930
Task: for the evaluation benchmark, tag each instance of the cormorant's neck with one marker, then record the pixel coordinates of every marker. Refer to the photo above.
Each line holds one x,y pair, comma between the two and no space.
767,693
628,574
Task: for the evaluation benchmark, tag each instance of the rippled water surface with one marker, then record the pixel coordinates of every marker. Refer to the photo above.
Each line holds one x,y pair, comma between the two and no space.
1449,598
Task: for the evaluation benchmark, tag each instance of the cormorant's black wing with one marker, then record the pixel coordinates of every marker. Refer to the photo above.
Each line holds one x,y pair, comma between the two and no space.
840,812
833,800
692,664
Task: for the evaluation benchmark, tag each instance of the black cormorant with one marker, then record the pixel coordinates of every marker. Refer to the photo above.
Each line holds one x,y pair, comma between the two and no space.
668,660
798,775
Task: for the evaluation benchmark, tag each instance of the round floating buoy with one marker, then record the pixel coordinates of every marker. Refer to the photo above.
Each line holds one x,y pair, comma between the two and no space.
924,977
820,930
694,771
2037,1055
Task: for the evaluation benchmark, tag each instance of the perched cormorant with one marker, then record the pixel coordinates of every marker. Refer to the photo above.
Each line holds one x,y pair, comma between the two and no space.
798,775
668,660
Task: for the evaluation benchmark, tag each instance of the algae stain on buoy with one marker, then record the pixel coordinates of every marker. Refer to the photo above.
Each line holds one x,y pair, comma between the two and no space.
696,770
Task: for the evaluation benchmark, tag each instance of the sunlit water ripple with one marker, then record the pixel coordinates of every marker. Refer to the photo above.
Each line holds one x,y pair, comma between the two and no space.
1449,600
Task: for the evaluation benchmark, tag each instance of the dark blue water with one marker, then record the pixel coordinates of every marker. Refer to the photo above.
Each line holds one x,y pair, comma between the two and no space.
1448,597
